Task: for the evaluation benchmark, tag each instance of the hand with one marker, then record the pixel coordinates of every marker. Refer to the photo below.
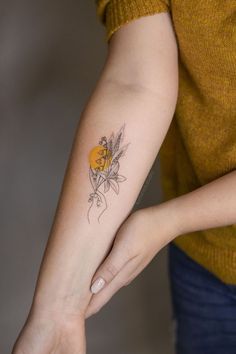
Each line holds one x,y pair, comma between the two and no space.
51,335
137,241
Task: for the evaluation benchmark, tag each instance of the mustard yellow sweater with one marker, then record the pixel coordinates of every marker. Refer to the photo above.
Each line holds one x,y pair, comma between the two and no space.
200,144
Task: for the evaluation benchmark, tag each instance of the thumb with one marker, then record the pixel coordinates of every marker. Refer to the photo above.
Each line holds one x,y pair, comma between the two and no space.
109,269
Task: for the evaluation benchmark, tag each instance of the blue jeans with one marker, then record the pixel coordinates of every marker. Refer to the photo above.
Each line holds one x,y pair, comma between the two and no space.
204,308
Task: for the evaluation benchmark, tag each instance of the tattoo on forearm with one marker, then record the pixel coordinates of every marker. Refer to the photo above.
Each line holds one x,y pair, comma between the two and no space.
104,165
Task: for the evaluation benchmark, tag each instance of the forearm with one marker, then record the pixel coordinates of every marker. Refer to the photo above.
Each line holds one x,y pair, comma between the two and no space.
210,206
75,247
138,90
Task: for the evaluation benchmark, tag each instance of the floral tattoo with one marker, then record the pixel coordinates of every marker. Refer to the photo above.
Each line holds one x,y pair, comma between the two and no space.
104,165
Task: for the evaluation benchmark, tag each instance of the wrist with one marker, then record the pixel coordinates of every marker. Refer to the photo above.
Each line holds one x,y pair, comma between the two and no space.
44,311
170,216
66,307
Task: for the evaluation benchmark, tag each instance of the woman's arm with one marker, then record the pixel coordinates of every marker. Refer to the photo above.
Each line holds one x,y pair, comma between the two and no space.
136,96
210,206
148,230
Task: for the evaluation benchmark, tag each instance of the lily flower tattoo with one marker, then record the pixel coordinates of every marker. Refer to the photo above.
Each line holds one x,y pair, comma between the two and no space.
104,174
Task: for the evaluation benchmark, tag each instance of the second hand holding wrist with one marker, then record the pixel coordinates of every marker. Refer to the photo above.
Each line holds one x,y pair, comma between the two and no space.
142,235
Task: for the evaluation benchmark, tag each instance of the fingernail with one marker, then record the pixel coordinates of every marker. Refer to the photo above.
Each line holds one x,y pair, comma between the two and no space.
97,285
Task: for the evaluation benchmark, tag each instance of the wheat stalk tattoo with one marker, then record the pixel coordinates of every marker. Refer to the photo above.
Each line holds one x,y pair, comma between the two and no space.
104,174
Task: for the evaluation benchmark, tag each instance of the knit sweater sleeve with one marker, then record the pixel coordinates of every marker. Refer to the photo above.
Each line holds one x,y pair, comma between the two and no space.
115,13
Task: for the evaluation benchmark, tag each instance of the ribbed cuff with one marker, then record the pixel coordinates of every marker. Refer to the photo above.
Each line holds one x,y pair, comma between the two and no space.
115,13
101,9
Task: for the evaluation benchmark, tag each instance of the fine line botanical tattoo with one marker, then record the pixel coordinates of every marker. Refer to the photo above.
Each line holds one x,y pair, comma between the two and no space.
104,174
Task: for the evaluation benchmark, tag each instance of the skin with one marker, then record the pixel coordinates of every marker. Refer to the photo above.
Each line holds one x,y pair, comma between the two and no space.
139,86
148,230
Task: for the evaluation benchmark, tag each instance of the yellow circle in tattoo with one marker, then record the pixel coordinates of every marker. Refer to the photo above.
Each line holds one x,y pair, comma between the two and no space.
100,158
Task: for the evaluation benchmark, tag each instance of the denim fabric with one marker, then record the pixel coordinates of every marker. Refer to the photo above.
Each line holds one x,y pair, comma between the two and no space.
204,308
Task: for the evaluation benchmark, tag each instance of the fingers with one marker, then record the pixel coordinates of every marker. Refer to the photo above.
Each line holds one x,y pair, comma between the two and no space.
109,269
128,273
123,278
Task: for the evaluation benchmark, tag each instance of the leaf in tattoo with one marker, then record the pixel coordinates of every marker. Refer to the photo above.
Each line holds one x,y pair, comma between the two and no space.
104,168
